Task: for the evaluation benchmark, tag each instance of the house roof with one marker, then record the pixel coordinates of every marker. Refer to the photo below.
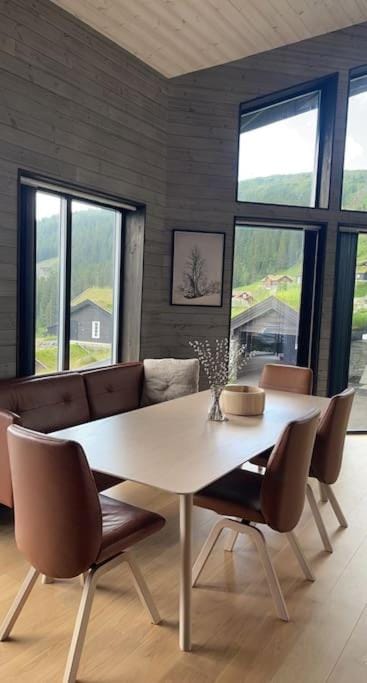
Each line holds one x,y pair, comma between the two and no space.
88,302
270,316
277,278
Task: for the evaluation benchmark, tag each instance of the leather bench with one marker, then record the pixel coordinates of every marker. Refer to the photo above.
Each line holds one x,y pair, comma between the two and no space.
51,402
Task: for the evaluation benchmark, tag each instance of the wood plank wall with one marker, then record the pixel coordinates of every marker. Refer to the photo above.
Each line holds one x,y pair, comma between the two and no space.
77,107
202,158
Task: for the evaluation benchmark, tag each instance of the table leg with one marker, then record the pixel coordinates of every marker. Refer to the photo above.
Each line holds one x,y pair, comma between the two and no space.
186,571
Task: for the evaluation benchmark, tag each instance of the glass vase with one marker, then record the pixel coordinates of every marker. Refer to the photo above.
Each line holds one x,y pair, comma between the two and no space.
215,412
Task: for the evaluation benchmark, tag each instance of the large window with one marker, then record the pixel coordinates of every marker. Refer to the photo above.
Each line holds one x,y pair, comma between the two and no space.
355,160
278,152
71,316
273,296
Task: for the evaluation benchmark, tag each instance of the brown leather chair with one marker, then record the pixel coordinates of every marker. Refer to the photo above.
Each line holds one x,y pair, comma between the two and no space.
292,378
327,459
275,498
64,528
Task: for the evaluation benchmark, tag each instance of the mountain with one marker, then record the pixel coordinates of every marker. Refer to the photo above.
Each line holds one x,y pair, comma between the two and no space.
295,189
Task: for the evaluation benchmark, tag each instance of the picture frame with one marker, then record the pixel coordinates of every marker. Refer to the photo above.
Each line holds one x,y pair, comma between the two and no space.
197,268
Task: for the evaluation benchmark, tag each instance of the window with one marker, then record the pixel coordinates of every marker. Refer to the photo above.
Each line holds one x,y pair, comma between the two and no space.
96,329
71,251
273,295
355,160
278,152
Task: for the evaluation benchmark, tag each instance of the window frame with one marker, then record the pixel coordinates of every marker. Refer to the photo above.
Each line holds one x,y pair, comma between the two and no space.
28,184
327,87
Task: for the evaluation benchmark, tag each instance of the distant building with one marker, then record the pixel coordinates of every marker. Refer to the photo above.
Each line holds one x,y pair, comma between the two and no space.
89,322
362,274
269,327
243,296
273,281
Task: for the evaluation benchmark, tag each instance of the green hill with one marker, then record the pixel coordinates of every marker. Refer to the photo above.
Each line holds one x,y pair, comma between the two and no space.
295,189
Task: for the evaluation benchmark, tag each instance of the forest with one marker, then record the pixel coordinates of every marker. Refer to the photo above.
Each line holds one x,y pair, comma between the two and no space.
295,189
92,254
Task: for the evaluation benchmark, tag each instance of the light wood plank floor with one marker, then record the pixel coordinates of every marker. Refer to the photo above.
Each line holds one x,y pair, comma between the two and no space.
236,635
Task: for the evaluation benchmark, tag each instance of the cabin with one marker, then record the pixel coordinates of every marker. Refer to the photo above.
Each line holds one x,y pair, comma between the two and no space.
89,322
269,327
274,281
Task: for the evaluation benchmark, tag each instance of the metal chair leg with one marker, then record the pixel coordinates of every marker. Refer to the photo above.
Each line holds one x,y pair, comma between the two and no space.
318,519
143,590
336,507
206,550
18,604
293,542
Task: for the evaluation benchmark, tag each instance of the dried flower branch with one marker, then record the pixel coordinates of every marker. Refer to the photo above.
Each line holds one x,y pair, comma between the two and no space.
221,360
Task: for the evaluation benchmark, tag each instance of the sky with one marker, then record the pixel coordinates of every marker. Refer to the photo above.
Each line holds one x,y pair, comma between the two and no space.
49,205
288,146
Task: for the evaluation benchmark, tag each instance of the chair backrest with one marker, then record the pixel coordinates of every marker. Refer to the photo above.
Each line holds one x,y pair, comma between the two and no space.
291,378
284,485
58,519
329,444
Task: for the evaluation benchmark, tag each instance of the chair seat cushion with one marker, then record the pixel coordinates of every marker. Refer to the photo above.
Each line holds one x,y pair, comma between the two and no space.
105,481
262,459
123,525
235,495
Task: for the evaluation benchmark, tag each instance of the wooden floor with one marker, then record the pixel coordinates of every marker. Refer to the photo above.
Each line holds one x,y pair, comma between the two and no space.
236,636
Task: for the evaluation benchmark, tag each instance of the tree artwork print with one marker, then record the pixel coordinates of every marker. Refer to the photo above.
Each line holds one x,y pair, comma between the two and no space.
197,268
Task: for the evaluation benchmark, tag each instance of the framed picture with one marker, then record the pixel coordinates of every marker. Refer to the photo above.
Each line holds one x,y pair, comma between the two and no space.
197,268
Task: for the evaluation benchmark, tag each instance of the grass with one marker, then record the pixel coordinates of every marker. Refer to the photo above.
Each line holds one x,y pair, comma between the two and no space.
360,288
360,320
102,296
80,355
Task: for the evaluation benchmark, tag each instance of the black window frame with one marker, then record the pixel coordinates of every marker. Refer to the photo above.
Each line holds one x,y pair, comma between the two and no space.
327,87
26,285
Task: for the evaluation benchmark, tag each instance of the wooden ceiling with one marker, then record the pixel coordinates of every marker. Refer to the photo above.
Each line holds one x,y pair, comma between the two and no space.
180,36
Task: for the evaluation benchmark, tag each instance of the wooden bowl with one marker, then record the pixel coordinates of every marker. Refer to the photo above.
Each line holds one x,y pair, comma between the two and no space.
239,399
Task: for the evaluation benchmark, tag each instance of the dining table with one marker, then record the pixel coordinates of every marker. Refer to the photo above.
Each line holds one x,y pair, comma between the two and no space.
174,447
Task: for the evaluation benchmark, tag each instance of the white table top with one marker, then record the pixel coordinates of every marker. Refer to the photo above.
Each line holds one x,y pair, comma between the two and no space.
174,447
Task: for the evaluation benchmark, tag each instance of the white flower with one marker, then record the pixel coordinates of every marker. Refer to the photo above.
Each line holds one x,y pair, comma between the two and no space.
221,360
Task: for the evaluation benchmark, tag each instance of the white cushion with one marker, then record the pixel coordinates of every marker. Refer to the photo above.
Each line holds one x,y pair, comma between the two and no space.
167,378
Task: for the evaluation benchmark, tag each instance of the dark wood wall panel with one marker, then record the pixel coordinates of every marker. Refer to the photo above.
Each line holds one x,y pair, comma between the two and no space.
78,108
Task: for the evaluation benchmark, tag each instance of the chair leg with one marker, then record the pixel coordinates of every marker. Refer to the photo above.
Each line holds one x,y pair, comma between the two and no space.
336,507
293,542
80,628
272,578
18,604
318,519
259,540
143,590
323,493
206,549
231,541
